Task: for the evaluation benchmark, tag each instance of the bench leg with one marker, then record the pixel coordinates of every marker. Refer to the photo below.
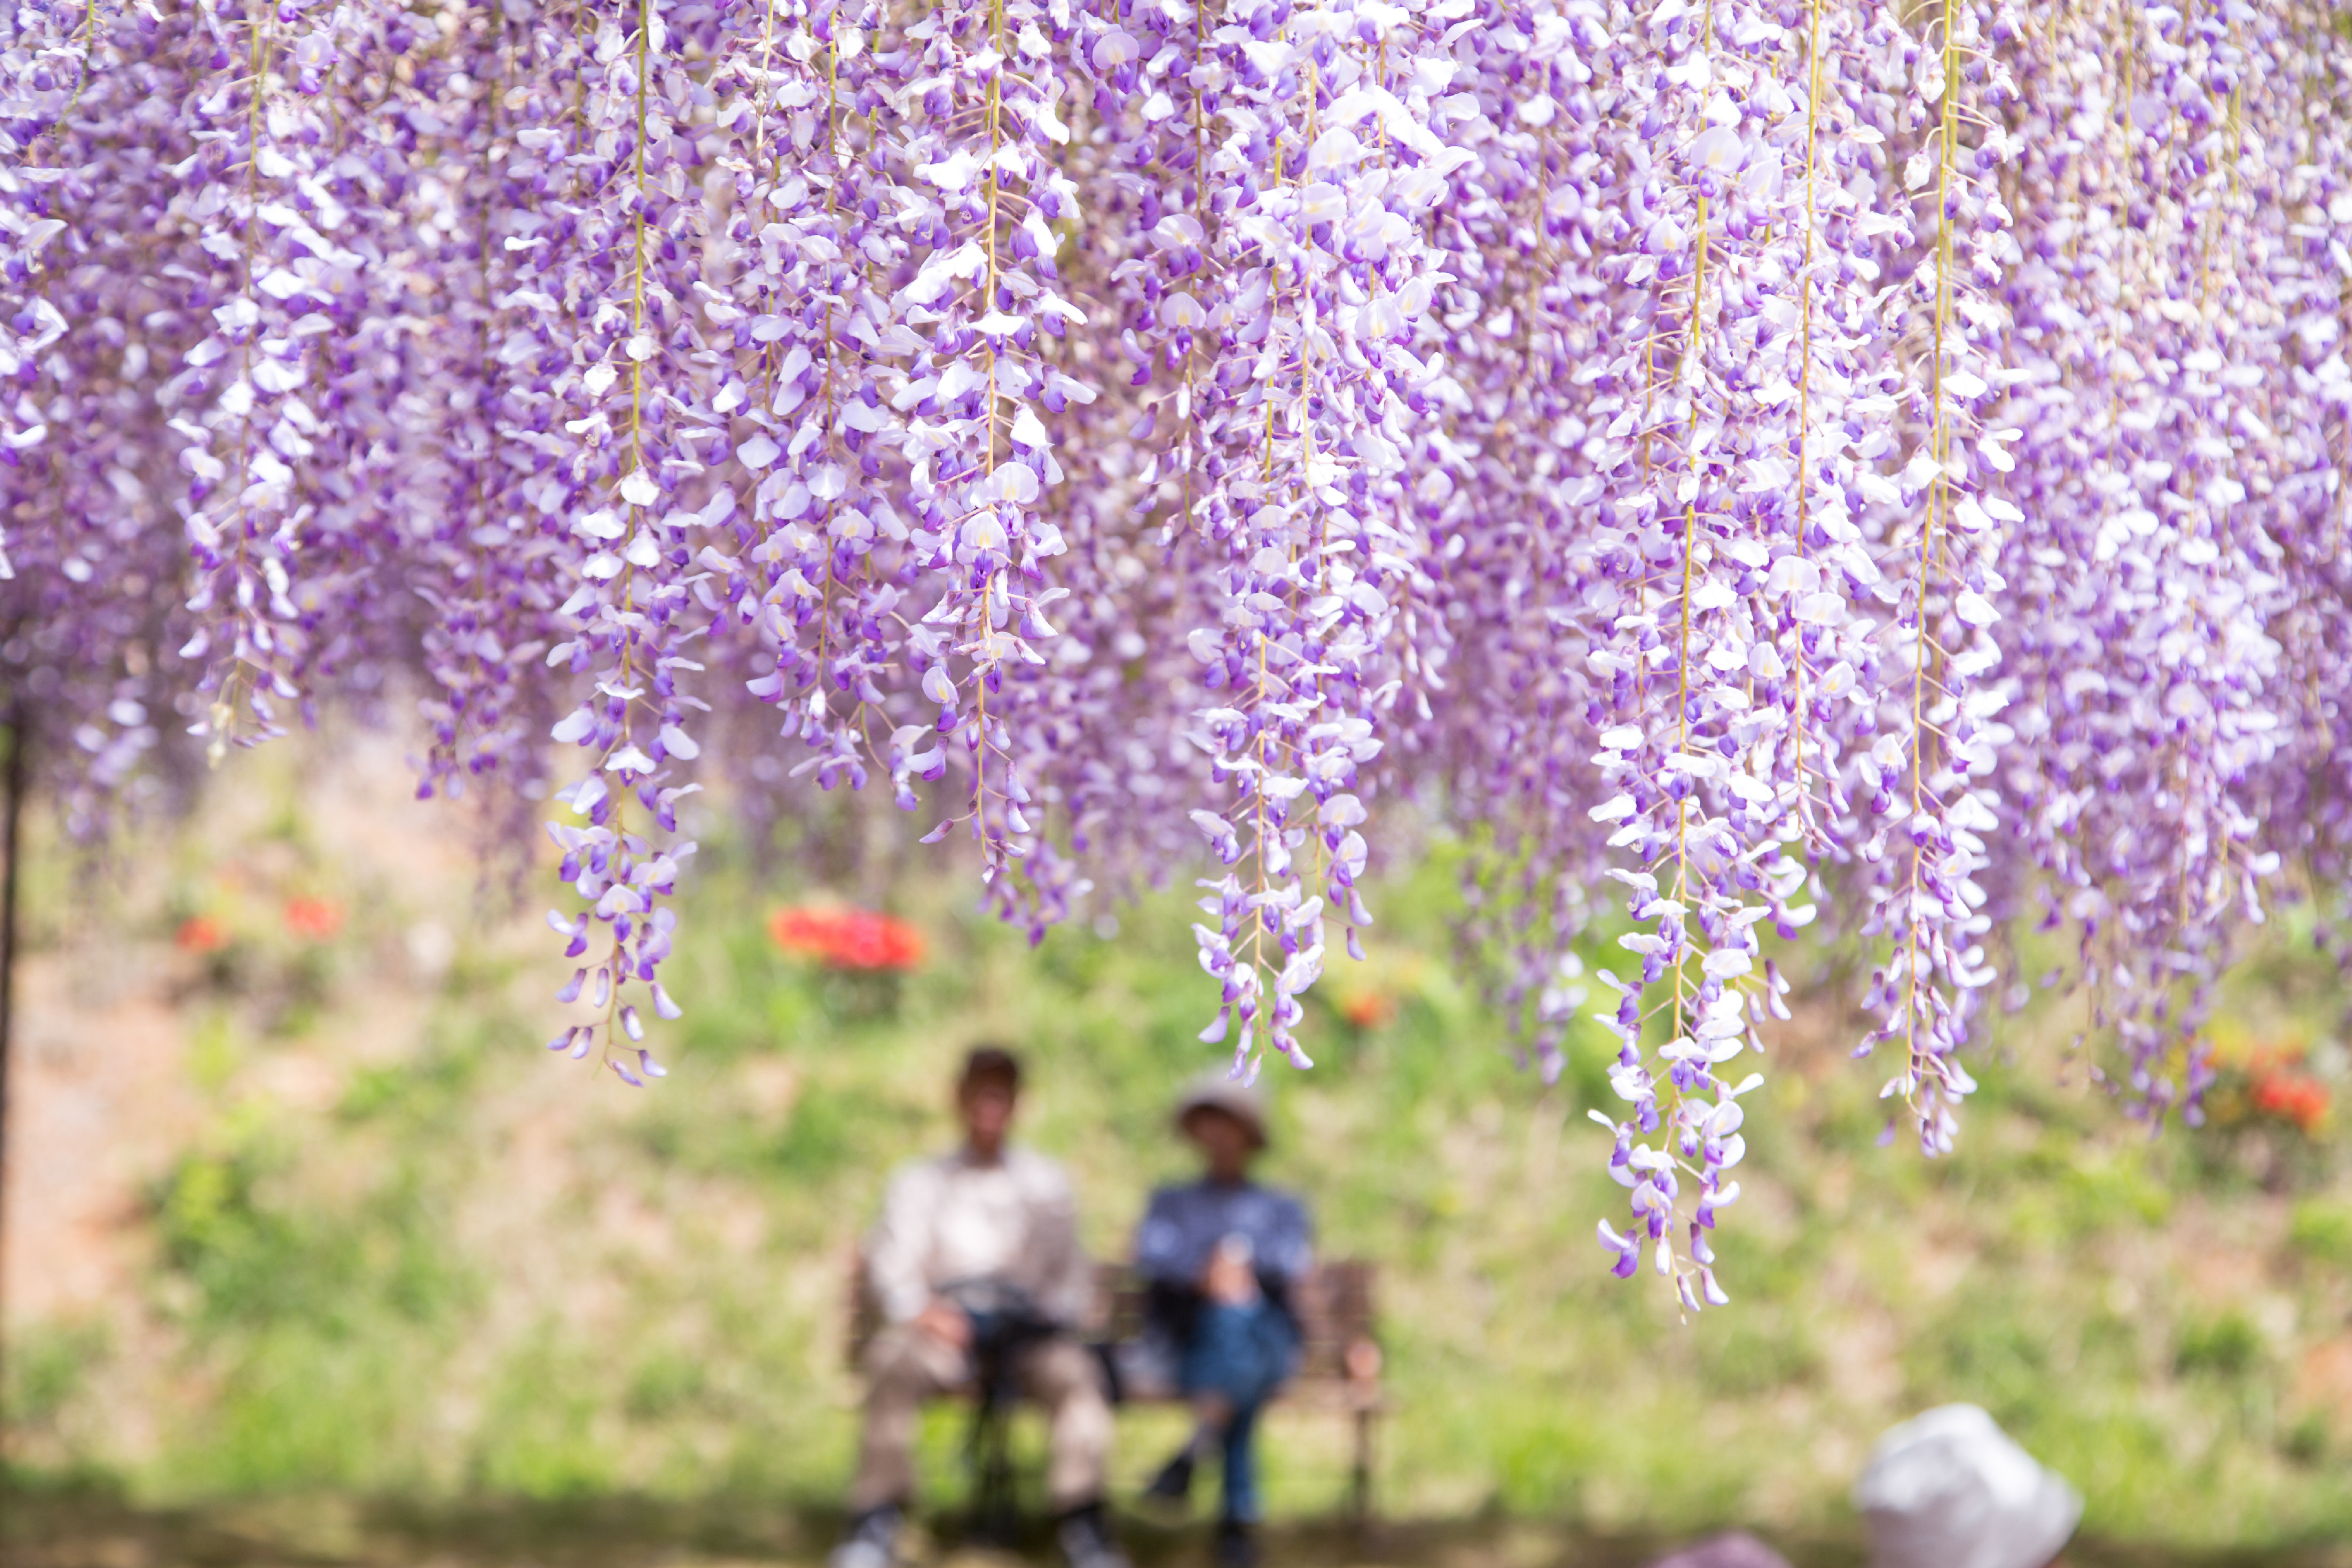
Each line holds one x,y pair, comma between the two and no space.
996,1508
1359,1480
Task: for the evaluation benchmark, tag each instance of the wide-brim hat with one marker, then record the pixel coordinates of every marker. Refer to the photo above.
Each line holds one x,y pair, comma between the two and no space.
1951,1489
1215,1091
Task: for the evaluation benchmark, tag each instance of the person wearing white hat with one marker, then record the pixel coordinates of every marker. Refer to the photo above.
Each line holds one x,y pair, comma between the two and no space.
1221,1256
1950,1489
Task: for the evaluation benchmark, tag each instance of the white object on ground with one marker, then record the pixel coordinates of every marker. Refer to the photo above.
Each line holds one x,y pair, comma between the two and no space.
1950,1489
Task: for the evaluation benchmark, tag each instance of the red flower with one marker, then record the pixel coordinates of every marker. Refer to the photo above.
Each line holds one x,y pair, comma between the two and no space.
847,938
1369,1010
200,933
313,919
2291,1097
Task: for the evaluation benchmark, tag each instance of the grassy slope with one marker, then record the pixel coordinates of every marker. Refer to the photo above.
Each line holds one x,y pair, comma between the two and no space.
458,1265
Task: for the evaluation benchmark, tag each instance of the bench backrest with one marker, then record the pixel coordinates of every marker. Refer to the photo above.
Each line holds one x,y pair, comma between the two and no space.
1334,1303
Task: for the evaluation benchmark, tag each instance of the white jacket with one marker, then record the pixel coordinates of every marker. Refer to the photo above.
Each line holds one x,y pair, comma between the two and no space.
952,1219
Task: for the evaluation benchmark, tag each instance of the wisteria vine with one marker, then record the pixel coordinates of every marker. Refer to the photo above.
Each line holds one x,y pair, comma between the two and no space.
1763,461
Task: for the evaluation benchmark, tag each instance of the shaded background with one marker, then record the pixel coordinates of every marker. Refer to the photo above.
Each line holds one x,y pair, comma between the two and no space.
311,1250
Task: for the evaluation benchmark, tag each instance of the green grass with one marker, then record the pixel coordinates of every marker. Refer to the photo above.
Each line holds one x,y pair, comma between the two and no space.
475,1269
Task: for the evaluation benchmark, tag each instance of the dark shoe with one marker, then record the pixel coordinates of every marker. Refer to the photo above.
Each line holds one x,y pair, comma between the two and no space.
1174,1484
1085,1539
1236,1544
872,1541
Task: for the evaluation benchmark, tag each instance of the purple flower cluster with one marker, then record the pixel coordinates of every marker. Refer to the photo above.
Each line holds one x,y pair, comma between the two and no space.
1770,461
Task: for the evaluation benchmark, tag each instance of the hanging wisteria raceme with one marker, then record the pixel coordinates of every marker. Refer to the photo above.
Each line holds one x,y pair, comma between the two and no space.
808,323
2310,418
634,469
465,642
1743,466
1304,239
2159,295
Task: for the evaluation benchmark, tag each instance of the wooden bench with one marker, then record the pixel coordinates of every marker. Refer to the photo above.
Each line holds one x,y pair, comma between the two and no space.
1338,1363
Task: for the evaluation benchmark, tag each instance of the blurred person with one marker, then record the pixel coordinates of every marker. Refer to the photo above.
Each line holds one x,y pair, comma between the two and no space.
1950,1489
1221,1258
978,1273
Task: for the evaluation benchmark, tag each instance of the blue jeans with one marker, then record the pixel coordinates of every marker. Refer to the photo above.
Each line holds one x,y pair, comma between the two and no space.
1243,1354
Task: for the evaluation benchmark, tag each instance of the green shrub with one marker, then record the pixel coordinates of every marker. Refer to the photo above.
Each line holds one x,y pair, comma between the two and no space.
2308,1441
48,1364
2321,1231
2226,1346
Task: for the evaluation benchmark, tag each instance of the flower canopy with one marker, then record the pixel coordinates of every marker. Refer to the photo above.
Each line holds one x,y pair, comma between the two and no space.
1771,461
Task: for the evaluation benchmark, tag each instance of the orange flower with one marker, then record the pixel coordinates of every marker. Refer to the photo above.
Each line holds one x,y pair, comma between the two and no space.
200,933
313,919
846,938
1368,1009
2291,1097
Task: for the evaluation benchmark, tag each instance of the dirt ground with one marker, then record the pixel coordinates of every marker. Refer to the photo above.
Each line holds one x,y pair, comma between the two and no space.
97,1531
